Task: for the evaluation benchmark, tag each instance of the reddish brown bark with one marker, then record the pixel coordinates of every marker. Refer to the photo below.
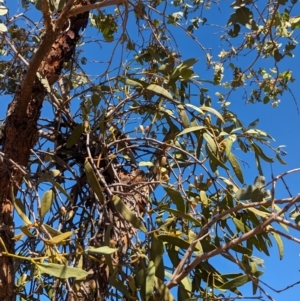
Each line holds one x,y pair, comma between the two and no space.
20,133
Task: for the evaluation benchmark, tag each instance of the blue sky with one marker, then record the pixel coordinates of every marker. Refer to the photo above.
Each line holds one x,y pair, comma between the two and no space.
283,123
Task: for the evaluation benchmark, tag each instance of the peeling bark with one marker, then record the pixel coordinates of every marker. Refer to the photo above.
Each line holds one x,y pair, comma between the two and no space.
20,132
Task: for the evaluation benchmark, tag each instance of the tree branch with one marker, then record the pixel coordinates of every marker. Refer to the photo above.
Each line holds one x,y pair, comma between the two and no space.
82,9
176,278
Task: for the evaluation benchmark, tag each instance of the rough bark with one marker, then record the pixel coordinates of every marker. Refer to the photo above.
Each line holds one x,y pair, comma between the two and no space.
20,132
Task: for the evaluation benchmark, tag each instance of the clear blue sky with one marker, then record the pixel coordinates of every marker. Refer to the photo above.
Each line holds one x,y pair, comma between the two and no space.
283,123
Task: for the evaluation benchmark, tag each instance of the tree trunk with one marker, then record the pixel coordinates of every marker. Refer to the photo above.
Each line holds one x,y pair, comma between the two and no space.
20,132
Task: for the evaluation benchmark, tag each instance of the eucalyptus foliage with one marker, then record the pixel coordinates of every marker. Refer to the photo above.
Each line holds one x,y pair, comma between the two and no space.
136,179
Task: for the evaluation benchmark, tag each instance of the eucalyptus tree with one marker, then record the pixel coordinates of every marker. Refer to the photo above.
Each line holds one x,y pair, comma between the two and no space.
124,167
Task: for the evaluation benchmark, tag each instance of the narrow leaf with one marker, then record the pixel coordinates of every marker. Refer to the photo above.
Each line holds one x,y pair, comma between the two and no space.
185,289
134,82
245,193
210,141
60,271
240,225
213,111
259,212
260,153
183,116
192,129
174,240
120,286
47,201
128,214
93,181
26,231
77,132
163,291
19,206
176,197
60,238
279,244
213,157
156,255
183,215
236,167
236,282
102,250
160,91
61,189
149,281
53,232
195,108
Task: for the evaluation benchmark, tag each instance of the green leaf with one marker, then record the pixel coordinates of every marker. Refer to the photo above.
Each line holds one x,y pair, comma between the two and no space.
228,143
203,197
183,215
244,16
174,240
244,194
53,173
195,108
61,189
214,159
163,291
192,129
77,132
240,248
160,91
240,225
53,232
134,82
95,99
253,123
262,244
38,4
280,159
213,111
93,181
176,198
236,167
259,182
183,116
279,244
156,255
60,271
60,4
19,206
185,289
128,215
211,143
259,212
46,202
102,250
61,238
149,281
236,282
258,165
119,285
260,153
188,63
26,231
